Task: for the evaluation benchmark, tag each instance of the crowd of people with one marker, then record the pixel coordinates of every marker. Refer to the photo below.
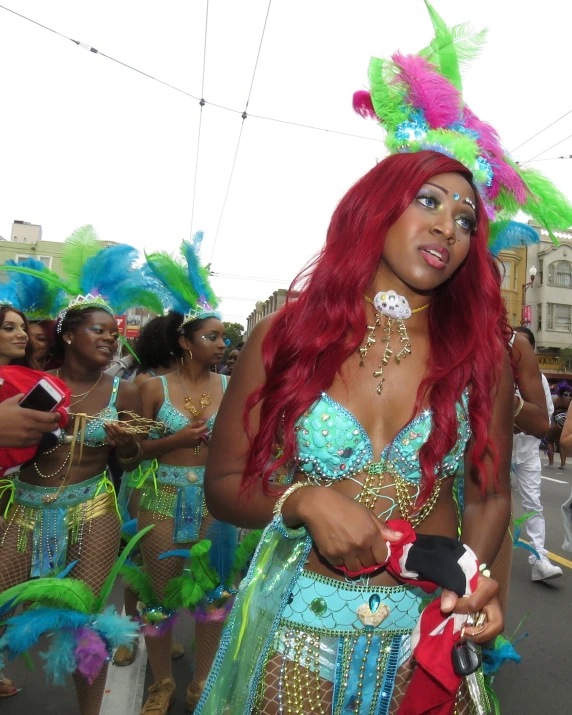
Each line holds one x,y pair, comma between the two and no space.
333,505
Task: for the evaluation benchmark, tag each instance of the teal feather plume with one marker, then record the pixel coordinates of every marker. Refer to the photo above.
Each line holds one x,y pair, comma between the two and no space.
224,545
198,276
78,248
173,276
35,296
60,661
53,592
48,276
24,631
504,235
116,629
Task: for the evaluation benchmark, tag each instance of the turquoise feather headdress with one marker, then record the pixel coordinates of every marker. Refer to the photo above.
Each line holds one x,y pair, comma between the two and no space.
185,282
40,298
418,101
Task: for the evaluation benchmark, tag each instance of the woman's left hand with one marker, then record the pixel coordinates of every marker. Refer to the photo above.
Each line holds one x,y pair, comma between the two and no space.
119,438
483,599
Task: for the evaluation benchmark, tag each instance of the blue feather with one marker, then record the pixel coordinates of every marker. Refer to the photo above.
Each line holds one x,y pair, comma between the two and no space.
107,268
224,540
182,553
129,528
24,630
511,234
7,607
116,629
60,657
31,294
197,275
67,569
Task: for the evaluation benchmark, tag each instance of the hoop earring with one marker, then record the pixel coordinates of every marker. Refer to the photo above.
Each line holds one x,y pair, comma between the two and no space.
183,358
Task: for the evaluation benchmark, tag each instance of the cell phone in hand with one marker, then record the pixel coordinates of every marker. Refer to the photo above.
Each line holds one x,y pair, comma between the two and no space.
44,397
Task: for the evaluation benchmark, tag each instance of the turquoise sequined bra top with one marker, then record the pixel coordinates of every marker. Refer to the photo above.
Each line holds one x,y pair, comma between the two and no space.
172,418
332,444
94,433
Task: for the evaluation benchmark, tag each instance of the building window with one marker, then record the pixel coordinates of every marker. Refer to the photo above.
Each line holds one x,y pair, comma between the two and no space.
560,274
540,271
505,273
559,317
46,260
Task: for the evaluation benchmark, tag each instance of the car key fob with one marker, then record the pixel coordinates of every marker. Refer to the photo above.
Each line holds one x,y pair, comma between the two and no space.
466,658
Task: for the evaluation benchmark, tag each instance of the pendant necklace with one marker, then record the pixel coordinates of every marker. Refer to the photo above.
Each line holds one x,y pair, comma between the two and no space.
396,309
205,397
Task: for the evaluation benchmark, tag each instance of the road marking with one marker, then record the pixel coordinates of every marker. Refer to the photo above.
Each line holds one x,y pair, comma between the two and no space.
560,560
125,686
551,479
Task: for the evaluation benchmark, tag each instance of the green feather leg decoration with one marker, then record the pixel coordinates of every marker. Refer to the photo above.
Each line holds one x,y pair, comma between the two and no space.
105,592
243,554
386,98
78,248
139,581
54,592
183,592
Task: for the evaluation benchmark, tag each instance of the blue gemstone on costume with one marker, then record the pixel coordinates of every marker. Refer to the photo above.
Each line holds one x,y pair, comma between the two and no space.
456,197
374,602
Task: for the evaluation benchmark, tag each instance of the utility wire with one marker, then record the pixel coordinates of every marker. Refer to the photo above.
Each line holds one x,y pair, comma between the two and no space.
541,131
202,104
549,148
183,91
244,116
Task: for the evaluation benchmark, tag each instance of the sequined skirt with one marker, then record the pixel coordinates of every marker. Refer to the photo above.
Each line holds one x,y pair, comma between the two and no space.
177,493
52,524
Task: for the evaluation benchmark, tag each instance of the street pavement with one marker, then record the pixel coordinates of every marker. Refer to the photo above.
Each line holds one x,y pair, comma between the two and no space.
540,684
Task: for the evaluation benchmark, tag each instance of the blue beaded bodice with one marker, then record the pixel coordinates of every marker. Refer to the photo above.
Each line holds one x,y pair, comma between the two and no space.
332,444
172,418
94,433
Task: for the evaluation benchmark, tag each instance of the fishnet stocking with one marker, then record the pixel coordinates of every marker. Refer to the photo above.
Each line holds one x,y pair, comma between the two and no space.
14,566
501,568
154,543
270,703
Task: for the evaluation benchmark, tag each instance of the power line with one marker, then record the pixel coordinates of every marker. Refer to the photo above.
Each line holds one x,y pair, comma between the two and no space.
183,91
542,131
550,158
244,115
202,104
549,148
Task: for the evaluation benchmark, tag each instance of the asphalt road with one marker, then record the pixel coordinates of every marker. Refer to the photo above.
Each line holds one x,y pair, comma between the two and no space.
540,684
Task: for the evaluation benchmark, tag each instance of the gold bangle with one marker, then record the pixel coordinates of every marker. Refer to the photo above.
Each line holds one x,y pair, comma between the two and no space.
520,406
128,460
277,510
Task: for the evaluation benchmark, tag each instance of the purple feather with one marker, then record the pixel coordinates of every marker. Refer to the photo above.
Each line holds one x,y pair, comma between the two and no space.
362,104
215,615
90,653
428,90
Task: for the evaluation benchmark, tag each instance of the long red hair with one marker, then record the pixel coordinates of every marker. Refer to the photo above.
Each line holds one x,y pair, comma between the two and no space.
315,333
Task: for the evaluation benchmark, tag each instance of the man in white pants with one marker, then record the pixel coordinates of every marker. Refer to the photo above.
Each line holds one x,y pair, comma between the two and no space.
526,461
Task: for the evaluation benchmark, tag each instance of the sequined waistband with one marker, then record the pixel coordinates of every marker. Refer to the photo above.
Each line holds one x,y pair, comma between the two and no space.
36,497
334,607
180,476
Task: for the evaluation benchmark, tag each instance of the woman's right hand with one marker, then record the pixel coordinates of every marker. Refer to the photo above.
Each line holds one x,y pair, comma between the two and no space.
190,436
345,532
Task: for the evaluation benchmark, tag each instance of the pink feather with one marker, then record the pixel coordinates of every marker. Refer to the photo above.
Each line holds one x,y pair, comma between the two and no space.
428,90
362,104
90,653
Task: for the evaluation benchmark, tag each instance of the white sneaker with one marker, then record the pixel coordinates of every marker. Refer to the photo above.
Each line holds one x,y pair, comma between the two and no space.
543,569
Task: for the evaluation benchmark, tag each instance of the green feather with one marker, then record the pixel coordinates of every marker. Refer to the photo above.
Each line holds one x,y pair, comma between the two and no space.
201,569
173,274
183,592
125,342
139,581
447,60
386,98
461,41
56,592
243,554
141,298
547,205
48,276
105,592
78,248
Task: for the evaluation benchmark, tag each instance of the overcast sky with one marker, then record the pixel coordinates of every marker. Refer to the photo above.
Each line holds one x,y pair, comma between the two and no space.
85,140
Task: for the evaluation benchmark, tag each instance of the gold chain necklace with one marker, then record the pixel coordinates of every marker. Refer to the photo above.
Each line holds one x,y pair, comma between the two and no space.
205,397
81,397
388,330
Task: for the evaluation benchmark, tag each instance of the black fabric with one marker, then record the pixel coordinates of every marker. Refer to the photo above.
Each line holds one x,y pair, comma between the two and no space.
435,559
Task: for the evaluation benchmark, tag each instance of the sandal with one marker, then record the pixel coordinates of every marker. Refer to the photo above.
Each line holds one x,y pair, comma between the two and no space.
7,689
193,696
125,655
177,651
161,697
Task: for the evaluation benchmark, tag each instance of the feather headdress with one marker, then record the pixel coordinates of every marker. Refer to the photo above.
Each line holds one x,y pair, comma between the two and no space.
39,298
185,281
96,275
418,101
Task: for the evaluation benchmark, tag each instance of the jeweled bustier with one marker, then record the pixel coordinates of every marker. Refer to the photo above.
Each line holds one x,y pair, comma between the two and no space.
332,444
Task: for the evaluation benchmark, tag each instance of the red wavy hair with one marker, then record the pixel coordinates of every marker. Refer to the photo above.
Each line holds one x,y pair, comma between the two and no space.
314,333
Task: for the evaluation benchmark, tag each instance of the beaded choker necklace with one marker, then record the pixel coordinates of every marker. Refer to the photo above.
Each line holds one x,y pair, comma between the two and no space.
396,309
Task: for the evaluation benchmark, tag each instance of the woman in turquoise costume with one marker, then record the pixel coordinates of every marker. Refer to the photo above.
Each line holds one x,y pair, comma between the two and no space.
372,395
185,402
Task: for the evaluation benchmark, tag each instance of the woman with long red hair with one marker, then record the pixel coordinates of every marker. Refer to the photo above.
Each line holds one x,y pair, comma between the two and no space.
371,419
